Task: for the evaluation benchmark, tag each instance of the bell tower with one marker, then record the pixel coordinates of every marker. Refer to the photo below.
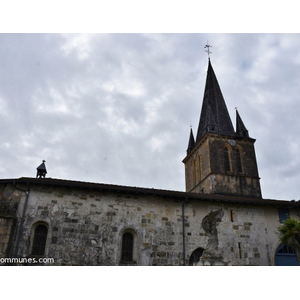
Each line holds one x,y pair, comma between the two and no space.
221,160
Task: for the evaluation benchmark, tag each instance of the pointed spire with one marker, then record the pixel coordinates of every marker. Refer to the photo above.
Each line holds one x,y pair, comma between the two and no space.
241,130
191,144
214,105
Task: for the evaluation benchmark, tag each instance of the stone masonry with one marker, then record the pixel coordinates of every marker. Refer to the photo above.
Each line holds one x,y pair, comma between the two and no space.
86,227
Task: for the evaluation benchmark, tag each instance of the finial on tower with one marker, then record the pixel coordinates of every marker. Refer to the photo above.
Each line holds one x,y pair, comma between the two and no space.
208,52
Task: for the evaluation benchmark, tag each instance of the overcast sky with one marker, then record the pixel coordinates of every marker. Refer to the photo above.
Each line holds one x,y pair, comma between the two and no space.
117,108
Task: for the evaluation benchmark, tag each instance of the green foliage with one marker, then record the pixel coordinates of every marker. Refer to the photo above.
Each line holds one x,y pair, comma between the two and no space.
289,233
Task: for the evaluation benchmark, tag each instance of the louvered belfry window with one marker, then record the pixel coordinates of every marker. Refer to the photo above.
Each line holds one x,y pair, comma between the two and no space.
239,161
226,160
127,247
39,240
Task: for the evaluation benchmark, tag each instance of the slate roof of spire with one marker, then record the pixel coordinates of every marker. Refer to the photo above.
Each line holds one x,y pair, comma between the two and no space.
191,144
210,121
213,108
240,127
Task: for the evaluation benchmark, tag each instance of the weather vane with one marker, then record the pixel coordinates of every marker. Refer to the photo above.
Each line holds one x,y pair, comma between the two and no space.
208,52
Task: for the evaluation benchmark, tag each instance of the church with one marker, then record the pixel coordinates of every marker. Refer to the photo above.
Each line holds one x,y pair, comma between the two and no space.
220,220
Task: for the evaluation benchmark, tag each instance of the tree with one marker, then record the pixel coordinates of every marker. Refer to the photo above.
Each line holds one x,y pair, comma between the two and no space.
289,233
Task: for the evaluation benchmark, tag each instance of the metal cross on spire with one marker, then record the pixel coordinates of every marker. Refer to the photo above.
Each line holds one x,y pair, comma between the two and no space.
208,52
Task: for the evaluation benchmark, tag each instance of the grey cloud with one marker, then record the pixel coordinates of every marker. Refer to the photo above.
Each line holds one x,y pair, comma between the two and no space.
116,108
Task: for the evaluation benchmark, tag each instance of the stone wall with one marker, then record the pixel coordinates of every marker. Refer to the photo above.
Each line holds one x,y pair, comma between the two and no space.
6,231
9,201
86,227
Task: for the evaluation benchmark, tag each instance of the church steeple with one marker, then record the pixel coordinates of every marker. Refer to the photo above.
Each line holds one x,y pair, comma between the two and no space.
221,160
213,108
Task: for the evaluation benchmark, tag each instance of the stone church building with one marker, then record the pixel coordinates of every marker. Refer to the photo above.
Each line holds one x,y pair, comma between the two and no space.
221,219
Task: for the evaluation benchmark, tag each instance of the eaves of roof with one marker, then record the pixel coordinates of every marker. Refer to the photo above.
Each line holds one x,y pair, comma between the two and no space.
175,195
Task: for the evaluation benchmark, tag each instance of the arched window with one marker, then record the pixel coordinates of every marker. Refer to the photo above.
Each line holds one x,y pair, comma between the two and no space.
39,240
239,160
199,167
226,160
195,256
286,256
127,247
194,171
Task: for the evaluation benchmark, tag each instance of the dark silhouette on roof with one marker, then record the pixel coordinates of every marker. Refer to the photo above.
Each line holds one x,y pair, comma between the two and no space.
41,170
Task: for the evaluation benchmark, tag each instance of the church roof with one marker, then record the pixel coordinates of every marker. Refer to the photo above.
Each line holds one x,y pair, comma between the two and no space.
168,194
214,114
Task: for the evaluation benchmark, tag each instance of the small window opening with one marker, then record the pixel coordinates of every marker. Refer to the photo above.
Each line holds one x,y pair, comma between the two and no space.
39,240
240,250
127,247
283,214
232,216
